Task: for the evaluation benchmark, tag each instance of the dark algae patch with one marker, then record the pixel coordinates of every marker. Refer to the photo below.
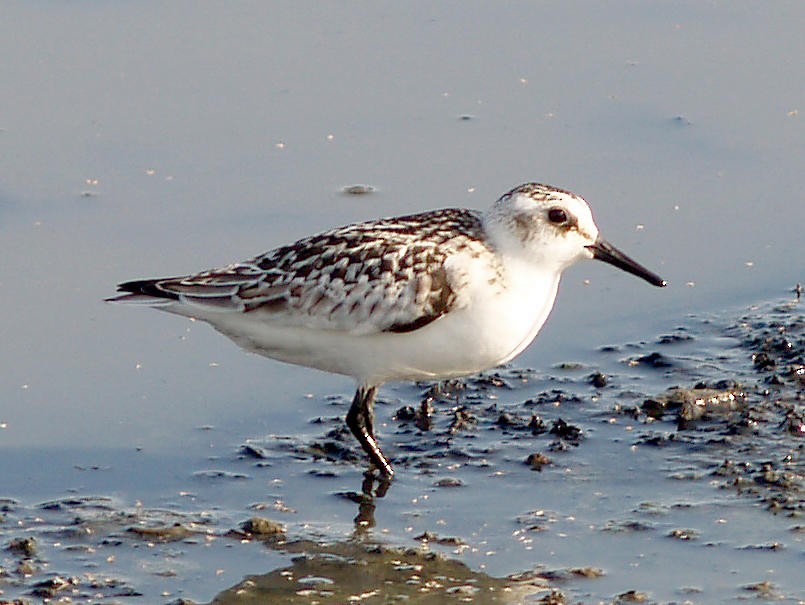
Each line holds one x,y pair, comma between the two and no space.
355,572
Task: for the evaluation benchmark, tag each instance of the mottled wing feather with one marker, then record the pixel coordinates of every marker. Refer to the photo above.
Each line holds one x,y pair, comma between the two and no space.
386,275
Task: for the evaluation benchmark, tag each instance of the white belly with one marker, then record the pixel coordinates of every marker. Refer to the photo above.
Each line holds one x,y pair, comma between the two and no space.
486,331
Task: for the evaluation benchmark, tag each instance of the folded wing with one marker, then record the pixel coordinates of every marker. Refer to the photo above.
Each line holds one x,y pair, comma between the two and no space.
381,276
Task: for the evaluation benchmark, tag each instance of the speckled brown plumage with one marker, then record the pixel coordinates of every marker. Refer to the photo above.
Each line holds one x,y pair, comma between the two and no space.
384,275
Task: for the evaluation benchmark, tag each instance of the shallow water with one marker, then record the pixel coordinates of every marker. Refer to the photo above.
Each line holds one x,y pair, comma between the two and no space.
624,491
150,139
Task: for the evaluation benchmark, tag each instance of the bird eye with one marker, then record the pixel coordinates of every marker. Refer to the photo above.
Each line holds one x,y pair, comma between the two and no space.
557,216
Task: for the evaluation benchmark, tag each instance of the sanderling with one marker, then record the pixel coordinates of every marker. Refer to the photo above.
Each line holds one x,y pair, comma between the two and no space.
435,295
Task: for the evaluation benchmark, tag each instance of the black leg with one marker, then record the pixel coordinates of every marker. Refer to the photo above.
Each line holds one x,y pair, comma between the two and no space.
360,420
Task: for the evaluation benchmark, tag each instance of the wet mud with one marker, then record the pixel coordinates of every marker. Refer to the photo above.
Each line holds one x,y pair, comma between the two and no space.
374,573
686,442
735,415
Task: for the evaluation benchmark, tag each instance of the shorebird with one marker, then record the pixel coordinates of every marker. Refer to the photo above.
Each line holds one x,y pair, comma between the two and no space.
436,295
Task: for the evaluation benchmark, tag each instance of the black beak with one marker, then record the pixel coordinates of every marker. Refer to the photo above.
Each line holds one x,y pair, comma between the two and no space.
603,250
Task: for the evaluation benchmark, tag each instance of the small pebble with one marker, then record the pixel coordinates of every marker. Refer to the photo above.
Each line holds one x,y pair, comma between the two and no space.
22,546
631,596
358,189
448,482
537,460
260,526
598,380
